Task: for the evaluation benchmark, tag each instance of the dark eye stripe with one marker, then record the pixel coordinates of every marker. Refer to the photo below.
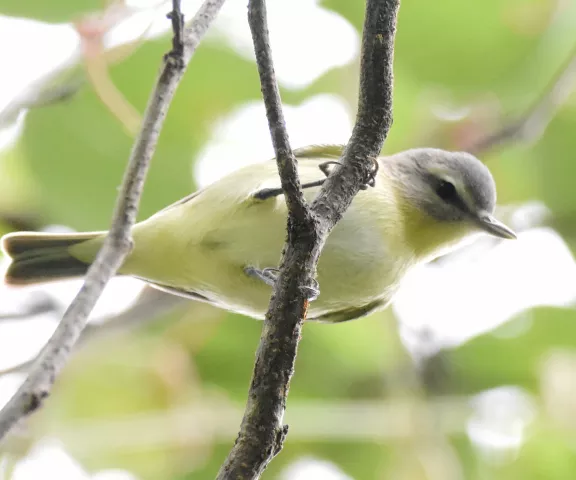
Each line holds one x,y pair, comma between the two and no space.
447,192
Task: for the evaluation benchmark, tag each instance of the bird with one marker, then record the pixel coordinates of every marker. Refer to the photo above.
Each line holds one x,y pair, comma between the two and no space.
221,244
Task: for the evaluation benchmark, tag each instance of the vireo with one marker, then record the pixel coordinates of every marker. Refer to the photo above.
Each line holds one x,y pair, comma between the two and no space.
218,244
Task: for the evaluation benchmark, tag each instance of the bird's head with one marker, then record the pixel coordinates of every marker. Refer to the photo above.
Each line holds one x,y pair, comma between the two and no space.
445,194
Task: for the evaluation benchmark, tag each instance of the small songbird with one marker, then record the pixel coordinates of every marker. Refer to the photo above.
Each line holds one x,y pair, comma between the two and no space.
219,244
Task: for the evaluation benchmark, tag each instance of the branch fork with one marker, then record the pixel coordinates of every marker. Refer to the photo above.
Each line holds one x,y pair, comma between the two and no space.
262,433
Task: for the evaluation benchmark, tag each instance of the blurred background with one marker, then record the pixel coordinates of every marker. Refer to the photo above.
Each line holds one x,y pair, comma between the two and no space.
472,372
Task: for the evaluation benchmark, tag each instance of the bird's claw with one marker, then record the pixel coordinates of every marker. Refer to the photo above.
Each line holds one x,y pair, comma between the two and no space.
270,275
312,292
267,275
370,181
324,167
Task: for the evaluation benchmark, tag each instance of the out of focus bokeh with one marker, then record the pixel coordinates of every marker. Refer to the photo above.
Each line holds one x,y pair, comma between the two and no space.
472,372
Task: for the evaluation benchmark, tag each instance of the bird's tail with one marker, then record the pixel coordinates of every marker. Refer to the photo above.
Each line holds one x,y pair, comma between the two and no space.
43,257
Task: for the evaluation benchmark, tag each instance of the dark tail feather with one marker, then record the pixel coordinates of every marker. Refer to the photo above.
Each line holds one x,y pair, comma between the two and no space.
42,257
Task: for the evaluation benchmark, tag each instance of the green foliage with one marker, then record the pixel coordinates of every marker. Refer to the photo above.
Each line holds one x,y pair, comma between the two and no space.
70,160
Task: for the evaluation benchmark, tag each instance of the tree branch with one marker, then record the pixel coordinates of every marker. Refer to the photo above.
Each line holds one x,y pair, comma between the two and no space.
262,432
117,245
287,164
532,124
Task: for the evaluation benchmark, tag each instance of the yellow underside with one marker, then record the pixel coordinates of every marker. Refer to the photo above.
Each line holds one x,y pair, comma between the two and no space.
203,245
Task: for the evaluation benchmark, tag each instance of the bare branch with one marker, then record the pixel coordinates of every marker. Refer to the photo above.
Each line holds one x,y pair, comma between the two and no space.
54,356
530,126
287,164
262,432
374,117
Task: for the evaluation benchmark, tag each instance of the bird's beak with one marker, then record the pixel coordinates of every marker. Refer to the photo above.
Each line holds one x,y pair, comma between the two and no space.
494,227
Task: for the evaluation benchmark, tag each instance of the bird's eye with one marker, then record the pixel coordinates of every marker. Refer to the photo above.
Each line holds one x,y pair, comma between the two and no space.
446,190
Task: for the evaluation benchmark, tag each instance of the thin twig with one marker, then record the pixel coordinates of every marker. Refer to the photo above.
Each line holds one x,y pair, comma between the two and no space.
287,164
262,432
531,125
54,356
177,19
374,117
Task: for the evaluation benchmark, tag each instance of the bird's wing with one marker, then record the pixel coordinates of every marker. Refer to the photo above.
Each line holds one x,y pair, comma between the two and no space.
319,151
182,201
303,153
352,313
178,292
332,317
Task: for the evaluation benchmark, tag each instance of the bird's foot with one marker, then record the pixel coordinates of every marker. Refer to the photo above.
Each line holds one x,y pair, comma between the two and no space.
270,275
370,181
267,275
325,167
312,292
267,193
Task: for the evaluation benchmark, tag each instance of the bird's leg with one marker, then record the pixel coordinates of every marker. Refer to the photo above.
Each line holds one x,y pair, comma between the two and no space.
324,167
267,193
312,292
370,181
270,275
267,275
